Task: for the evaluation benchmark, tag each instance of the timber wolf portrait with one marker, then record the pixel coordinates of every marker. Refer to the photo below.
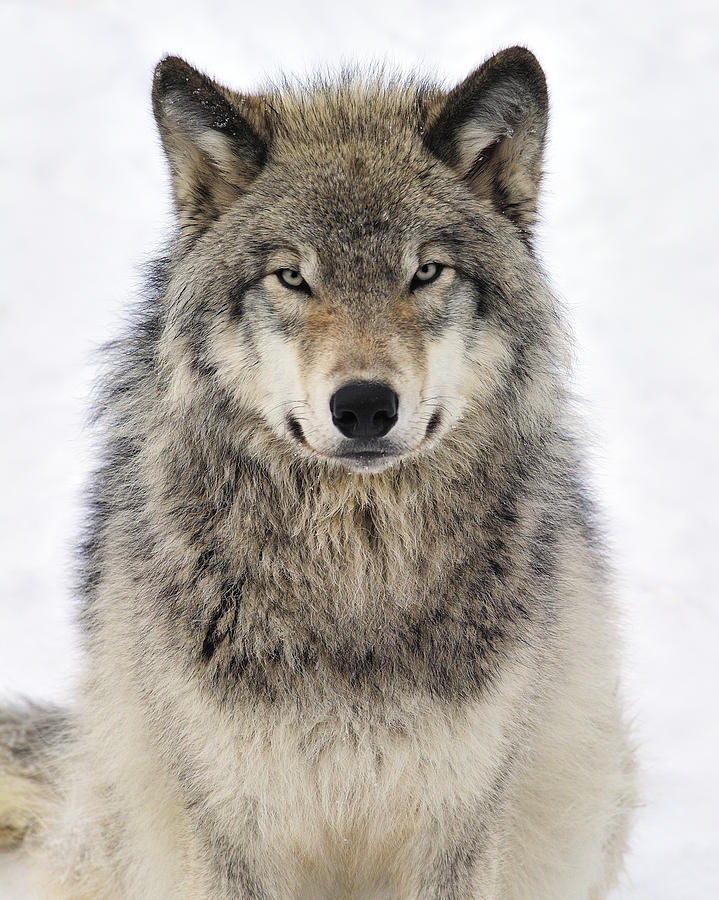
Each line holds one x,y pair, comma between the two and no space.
347,627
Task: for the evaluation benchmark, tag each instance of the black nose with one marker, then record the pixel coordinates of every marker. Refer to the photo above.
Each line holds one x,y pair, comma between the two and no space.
364,409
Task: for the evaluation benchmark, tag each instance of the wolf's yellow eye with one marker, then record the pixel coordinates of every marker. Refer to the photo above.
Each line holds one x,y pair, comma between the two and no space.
426,274
292,279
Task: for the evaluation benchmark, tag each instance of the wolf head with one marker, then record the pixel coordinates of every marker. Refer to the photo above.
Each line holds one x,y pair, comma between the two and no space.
354,272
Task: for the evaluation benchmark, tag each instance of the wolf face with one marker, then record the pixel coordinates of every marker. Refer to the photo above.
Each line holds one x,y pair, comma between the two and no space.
356,274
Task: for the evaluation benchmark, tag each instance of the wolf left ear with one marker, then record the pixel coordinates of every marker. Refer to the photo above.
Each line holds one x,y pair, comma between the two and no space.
491,130
213,139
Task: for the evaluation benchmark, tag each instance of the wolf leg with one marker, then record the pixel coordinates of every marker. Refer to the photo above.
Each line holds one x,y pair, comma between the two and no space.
31,738
231,871
460,863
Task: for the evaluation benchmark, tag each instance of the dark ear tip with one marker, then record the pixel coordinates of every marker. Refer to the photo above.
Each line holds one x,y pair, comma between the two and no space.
521,63
171,73
170,68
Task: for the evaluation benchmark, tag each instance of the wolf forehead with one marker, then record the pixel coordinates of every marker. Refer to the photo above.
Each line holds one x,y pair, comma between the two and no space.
370,183
382,155
345,166
361,200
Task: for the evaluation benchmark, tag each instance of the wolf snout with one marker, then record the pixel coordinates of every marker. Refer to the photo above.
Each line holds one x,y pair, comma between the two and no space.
364,409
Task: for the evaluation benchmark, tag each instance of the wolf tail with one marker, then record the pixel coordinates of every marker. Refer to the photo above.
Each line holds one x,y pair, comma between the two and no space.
31,741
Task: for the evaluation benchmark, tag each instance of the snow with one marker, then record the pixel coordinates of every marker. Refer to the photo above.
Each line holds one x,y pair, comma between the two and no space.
629,235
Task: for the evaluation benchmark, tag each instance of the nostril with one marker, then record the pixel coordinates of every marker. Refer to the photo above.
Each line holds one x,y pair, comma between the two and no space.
364,409
347,421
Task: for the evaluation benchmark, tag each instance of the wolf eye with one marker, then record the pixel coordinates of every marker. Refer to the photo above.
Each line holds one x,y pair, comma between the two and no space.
426,274
292,279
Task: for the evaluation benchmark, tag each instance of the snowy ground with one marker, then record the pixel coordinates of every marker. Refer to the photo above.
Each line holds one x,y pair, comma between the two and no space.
630,237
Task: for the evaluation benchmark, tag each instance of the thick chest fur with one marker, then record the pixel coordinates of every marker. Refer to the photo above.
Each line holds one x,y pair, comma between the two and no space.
334,694
342,796
267,646
353,603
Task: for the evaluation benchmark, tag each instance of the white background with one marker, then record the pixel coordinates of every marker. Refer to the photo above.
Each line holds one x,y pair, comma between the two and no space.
629,236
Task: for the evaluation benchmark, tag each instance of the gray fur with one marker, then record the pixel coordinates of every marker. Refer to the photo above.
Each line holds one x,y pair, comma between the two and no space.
313,677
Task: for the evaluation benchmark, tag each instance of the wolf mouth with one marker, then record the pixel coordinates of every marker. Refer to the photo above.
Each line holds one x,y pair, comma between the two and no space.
365,457
366,460
296,431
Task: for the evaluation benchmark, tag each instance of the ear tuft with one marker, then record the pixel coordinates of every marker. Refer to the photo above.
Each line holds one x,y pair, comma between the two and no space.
491,129
213,139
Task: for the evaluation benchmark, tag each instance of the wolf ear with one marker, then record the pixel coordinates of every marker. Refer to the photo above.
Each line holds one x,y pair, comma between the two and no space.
213,140
491,129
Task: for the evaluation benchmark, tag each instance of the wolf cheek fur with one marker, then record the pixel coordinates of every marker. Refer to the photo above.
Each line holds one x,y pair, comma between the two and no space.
346,618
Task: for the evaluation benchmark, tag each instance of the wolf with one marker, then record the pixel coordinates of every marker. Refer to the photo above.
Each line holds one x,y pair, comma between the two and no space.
346,615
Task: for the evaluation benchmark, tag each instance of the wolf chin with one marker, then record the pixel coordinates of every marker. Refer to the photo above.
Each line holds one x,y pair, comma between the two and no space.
345,613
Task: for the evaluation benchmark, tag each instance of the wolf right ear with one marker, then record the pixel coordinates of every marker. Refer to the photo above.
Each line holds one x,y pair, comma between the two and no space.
491,130
214,140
